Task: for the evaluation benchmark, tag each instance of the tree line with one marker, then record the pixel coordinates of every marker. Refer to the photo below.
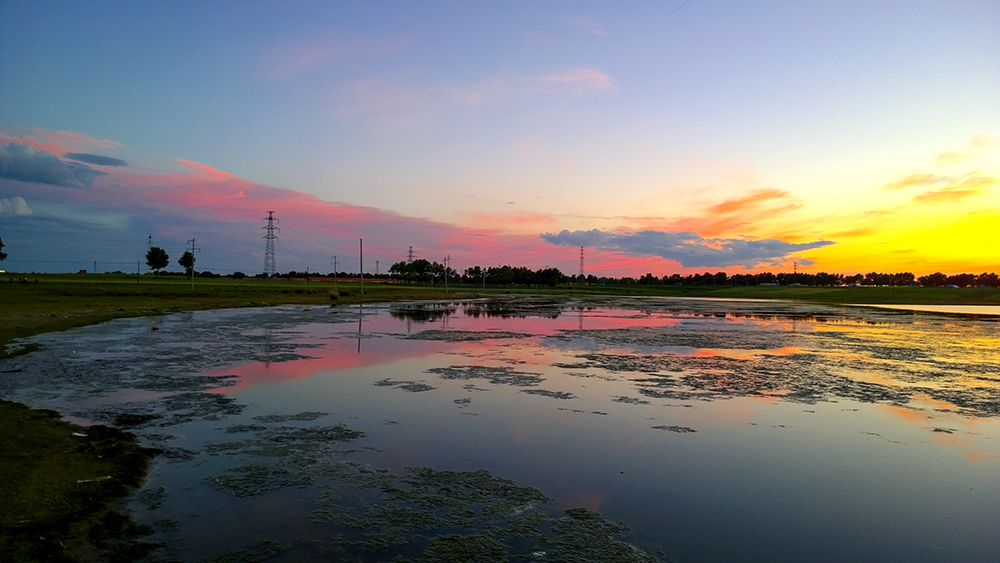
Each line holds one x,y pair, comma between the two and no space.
938,279
424,271
158,259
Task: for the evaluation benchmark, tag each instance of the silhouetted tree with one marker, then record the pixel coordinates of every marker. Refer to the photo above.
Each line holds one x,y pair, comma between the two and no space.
157,259
903,278
3,255
961,280
988,280
936,279
548,276
187,262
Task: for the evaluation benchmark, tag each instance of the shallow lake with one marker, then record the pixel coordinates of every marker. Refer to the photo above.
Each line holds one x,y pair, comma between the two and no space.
542,430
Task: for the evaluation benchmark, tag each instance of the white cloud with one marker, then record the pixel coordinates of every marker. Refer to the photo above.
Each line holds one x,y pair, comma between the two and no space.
15,206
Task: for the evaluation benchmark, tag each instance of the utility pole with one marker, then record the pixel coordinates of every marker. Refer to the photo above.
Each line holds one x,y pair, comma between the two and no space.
409,256
269,239
193,250
582,278
446,260
335,273
361,247
149,246
376,268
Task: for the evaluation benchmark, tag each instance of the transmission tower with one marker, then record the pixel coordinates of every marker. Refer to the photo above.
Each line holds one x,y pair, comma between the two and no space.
409,256
581,266
269,240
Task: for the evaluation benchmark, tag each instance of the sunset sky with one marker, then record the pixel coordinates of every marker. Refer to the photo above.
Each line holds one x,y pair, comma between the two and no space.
664,137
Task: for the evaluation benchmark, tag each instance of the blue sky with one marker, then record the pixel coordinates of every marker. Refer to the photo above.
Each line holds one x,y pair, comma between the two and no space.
515,120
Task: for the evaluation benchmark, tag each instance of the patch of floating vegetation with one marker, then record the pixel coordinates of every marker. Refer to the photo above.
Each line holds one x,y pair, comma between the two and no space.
550,394
496,375
261,551
170,410
240,428
630,401
429,515
677,429
302,416
692,335
257,479
464,401
411,386
465,335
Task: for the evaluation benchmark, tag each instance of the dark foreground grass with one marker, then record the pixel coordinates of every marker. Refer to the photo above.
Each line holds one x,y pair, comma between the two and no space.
61,493
61,489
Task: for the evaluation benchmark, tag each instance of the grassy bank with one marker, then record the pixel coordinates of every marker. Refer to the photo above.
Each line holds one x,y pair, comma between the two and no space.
61,486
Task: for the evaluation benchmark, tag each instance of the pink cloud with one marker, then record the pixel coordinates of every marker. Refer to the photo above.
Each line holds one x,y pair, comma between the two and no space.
57,142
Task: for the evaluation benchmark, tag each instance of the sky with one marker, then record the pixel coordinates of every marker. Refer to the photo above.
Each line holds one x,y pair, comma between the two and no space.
662,137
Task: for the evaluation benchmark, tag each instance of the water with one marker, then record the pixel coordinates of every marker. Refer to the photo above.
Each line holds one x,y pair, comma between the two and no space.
715,431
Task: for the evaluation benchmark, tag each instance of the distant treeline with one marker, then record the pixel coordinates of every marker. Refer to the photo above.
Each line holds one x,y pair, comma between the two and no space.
425,272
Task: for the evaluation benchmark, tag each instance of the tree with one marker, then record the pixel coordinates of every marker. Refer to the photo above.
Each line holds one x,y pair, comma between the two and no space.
937,279
187,262
157,259
3,255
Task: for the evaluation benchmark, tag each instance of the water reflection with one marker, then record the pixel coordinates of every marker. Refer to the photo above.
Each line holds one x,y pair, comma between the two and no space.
790,429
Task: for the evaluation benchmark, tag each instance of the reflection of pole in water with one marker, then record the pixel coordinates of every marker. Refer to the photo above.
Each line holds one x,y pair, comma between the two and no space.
581,318
361,312
267,347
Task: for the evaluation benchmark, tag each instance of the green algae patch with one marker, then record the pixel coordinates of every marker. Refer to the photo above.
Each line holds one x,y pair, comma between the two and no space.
411,386
550,394
495,375
435,516
62,487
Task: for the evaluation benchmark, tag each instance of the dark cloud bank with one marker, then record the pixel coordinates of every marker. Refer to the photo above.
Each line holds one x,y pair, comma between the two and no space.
24,163
688,248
